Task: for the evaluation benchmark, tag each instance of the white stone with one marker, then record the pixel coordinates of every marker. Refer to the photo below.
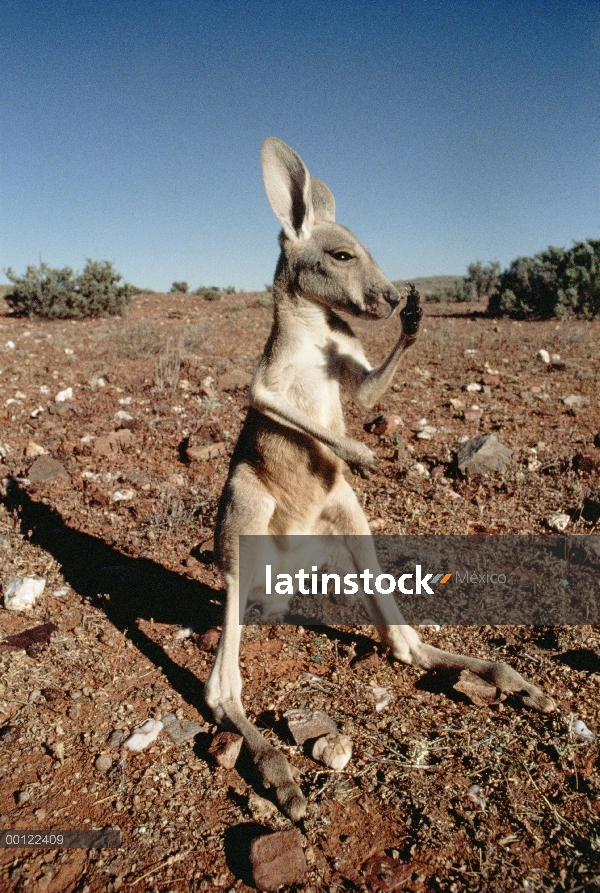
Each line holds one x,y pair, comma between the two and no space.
580,730
65,395
143,736
122,495
333,750
21,593
473,387
543,356
559,521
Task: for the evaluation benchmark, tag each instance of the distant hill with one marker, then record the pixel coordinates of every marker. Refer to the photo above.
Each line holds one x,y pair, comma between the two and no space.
428,285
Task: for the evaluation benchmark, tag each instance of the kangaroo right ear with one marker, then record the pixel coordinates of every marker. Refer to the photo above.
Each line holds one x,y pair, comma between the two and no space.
323,202
288,187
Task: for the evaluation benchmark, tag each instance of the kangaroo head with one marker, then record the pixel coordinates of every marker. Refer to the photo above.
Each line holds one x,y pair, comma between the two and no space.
320,260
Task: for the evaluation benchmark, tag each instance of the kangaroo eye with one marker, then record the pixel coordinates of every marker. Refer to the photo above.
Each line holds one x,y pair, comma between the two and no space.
341,255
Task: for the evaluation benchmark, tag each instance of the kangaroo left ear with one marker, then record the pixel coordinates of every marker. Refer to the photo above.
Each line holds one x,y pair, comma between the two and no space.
288,187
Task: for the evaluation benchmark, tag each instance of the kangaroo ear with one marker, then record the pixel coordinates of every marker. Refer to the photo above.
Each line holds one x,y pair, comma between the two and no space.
288,188
323,202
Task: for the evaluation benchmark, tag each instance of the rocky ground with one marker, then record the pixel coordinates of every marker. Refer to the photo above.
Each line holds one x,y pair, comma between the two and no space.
109,495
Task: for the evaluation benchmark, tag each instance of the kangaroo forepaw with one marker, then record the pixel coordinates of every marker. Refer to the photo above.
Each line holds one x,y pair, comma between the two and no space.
411,314
275,772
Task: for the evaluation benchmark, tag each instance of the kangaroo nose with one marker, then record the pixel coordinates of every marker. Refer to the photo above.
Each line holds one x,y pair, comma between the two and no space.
392,297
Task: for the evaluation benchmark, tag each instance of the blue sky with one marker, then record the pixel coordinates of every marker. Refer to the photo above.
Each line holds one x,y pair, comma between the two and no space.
447,131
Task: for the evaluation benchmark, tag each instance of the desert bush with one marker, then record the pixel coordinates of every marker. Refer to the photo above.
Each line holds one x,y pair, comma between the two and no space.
179,288
209,292
559,282
482,280
60,294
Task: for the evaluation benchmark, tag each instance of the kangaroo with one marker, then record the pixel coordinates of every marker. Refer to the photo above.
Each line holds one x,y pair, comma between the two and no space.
287,470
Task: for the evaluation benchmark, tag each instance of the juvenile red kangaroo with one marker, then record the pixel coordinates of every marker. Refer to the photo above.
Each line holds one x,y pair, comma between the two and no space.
287,471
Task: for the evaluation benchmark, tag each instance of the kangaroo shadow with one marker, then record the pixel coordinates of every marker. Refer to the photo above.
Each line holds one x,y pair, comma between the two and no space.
126,589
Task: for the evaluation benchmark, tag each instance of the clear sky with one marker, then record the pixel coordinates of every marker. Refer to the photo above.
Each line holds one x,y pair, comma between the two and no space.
130,130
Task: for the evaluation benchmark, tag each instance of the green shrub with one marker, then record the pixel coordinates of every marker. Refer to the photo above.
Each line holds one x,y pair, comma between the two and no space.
59,294
179,288
209,292
557,282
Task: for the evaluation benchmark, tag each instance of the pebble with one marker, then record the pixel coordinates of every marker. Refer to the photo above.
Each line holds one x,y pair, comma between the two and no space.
559,521
333,750
543,356
21,593
483,454
475,793
63,396
22,797
33,450
45,468
307,724
382,697
144,735
278,860
580,730
575,400
209,641
473,387
116,738
417,469
225,748
103,762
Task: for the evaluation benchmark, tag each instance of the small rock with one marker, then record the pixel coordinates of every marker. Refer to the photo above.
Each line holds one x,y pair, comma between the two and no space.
479,692
103,762
543,356
559,521
47,469
197,453
33,450
144,735
384,424
234,380
116,738
123,495
260,808
225,748
63,396
483,454
472,415
475,793
473,387
491,381
580,730
209,641
22,797
21,593
333,750
180,732
456,403
278,860
574,400
382,697
307,724
418,470
40,814
185,632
